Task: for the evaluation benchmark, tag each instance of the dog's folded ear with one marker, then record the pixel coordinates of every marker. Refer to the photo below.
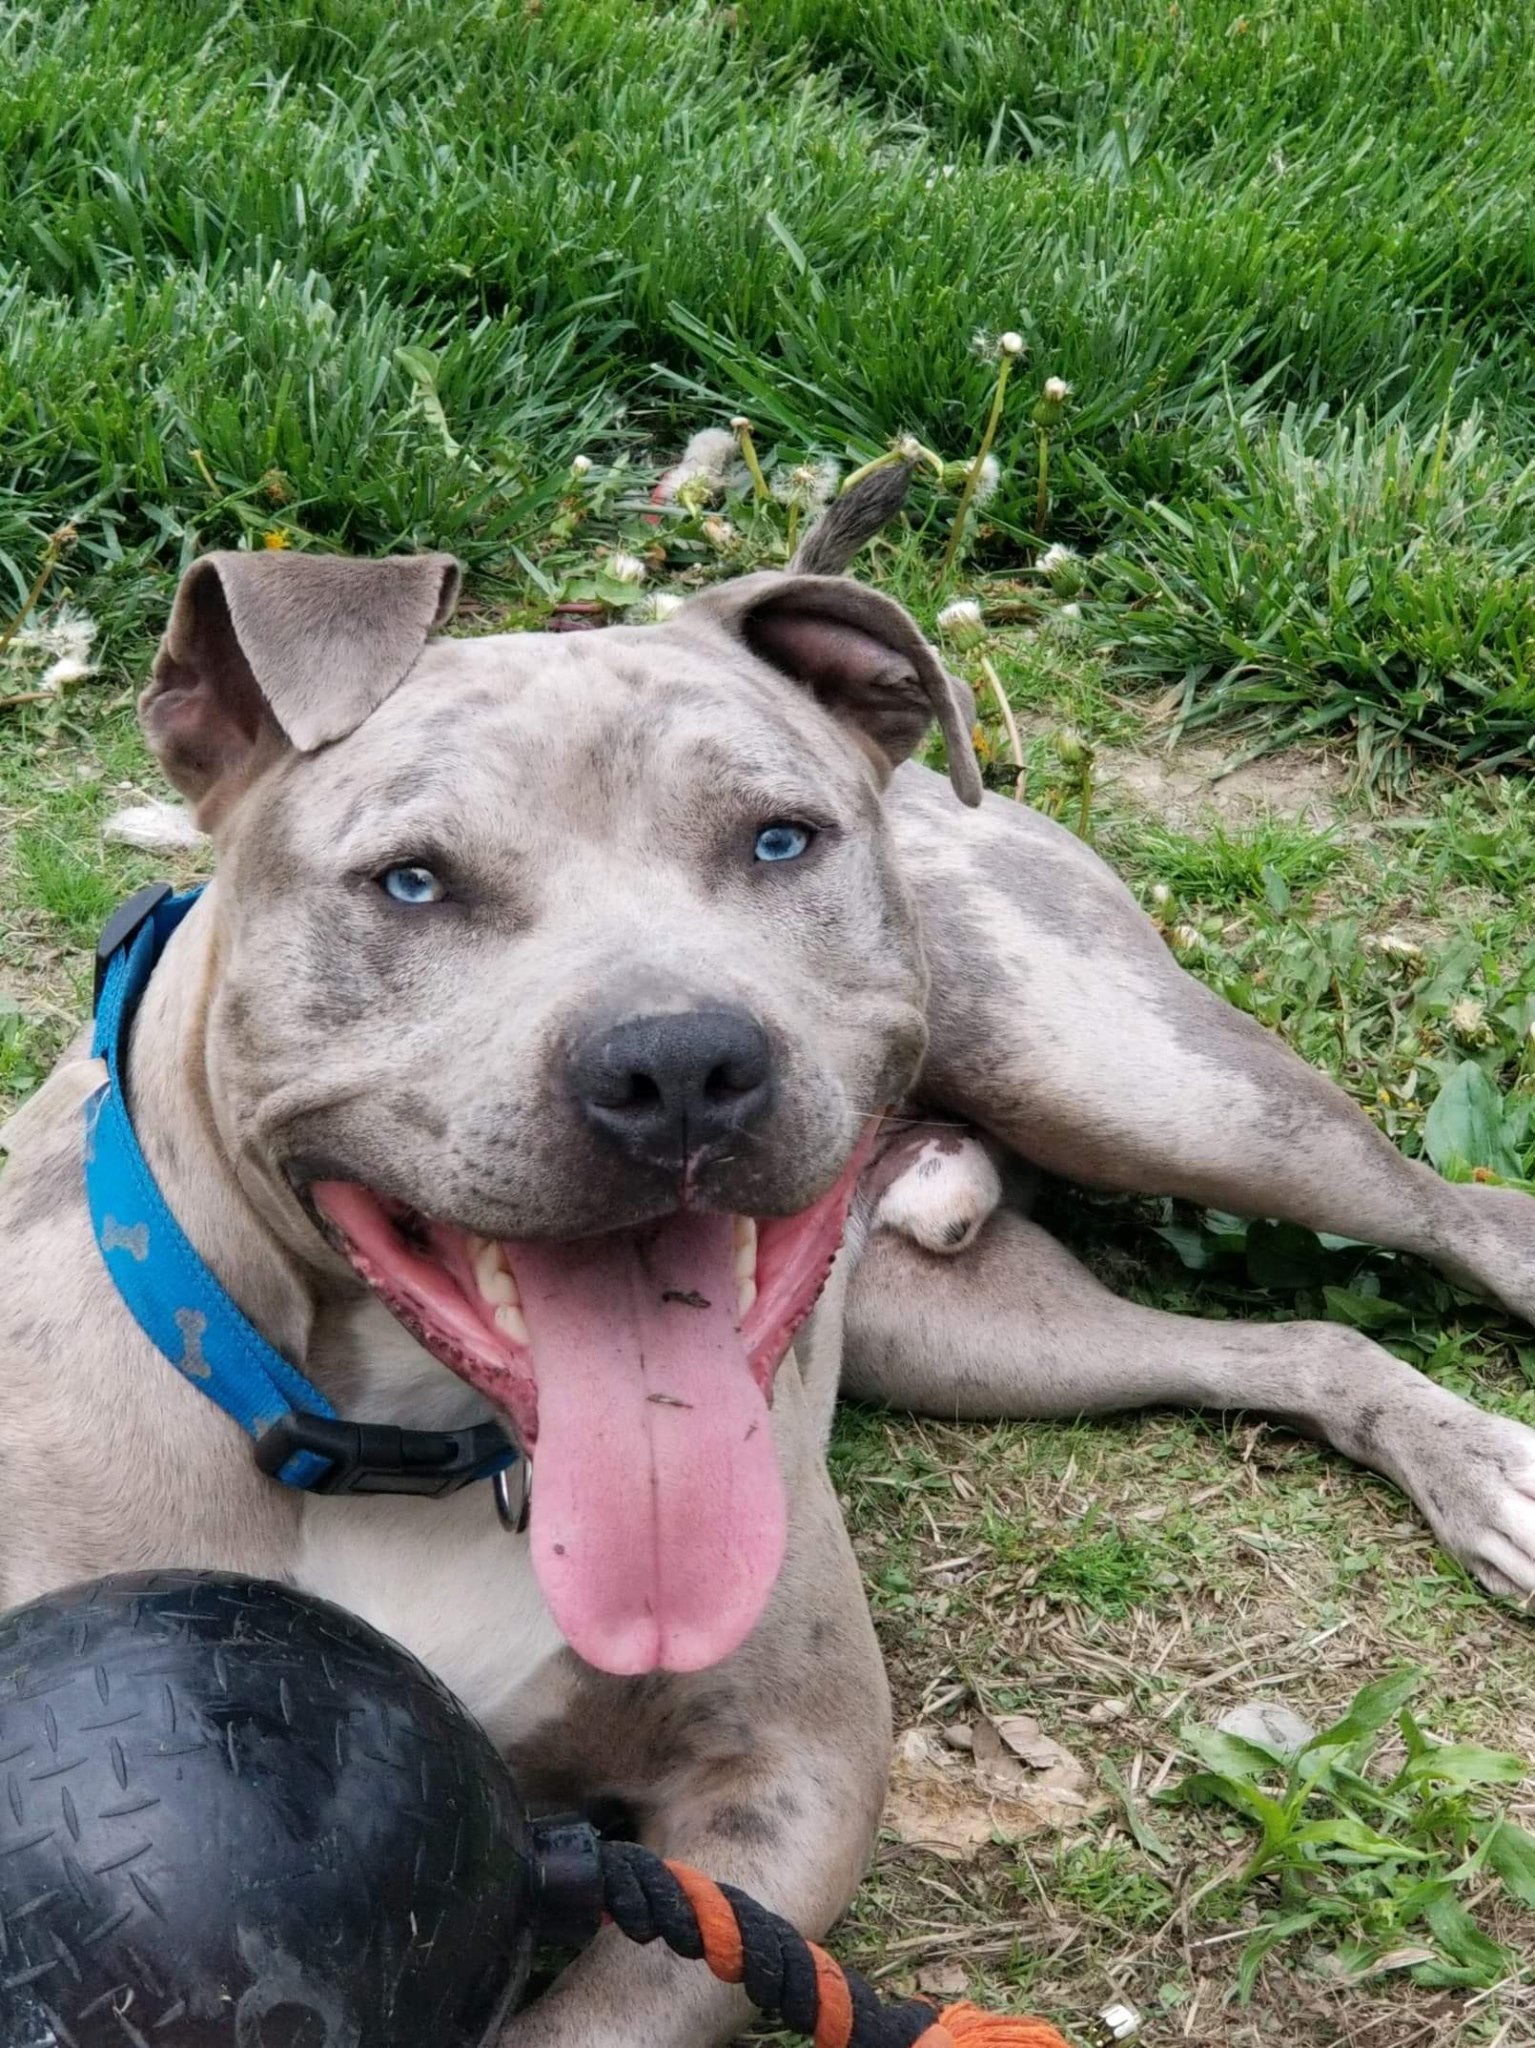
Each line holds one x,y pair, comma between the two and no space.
272,650
858,653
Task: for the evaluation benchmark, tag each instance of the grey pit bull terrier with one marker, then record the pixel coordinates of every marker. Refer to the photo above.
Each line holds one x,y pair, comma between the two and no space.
527,1057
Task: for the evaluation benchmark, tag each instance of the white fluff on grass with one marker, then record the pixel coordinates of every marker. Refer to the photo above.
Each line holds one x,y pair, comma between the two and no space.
64,642
153,827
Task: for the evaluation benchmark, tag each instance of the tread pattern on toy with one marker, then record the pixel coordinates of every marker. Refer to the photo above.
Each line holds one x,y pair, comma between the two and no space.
333,1840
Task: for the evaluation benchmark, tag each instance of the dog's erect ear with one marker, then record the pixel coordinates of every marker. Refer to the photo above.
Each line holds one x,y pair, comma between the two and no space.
853,517
858,653
275,650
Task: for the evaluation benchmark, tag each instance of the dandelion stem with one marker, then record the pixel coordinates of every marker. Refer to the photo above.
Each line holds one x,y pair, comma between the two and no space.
1042,489
793,524
995,683
1004,371
880,462
57,543
904,451
1085,801
743,434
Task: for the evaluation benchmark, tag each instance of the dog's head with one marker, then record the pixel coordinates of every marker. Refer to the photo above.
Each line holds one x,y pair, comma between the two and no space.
560,979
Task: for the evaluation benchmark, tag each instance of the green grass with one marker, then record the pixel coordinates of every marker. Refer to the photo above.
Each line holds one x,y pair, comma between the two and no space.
339,271
1272,860
1108,1573
362,278
65,884
1367,1857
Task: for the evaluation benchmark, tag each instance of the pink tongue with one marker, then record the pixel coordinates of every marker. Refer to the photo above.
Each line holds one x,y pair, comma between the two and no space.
658,1511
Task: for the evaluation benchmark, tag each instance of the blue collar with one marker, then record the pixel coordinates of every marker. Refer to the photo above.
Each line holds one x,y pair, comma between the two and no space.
185,1313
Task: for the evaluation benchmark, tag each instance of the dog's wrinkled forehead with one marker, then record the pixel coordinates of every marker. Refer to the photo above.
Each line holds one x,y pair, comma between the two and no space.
624,734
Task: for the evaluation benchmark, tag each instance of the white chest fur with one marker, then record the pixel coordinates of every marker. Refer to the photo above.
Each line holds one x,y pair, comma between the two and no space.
445,1578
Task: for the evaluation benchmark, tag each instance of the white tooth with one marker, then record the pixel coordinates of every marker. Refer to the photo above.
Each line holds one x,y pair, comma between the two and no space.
493,1276
744,1261
512,1323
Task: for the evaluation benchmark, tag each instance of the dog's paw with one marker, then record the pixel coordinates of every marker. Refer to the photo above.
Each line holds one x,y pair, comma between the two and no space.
1477,1488
945,1186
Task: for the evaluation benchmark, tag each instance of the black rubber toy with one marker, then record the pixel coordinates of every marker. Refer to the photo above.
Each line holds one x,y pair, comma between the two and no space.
232,1816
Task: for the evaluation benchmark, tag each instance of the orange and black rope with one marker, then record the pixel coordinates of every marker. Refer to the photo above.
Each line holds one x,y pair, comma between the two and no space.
783,1975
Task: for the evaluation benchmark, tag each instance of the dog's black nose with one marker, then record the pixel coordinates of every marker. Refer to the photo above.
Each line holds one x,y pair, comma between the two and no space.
672,1085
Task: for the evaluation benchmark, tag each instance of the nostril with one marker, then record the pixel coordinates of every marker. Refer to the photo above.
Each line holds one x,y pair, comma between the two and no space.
672,1083
731,1079
623,1088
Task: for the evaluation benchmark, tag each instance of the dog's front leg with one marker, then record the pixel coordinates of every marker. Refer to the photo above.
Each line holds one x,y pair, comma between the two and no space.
767,1773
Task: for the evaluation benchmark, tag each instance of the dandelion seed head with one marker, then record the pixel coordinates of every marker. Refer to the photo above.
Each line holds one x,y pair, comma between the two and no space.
1057,390
581,465
66,670
987,479
709,466
805,485
1011,343
663,604
713,451
625,568
67,636
962,622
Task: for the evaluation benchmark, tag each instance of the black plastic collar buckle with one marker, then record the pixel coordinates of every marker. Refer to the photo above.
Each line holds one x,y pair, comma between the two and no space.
375,1457
123,927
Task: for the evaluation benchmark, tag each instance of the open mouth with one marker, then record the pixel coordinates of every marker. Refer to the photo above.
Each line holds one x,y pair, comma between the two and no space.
639,1365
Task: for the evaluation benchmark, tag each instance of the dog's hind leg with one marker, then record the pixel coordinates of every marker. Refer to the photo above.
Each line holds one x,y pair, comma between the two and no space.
1013,1325
1060,1021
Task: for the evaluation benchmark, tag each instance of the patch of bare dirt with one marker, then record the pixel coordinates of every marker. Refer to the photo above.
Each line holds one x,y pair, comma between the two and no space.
1182,785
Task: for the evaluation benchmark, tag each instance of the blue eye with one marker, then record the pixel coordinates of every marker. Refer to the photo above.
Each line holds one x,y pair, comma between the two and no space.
412,885
782,841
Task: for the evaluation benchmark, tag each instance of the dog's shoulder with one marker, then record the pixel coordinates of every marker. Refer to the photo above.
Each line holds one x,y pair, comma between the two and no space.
48,1126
